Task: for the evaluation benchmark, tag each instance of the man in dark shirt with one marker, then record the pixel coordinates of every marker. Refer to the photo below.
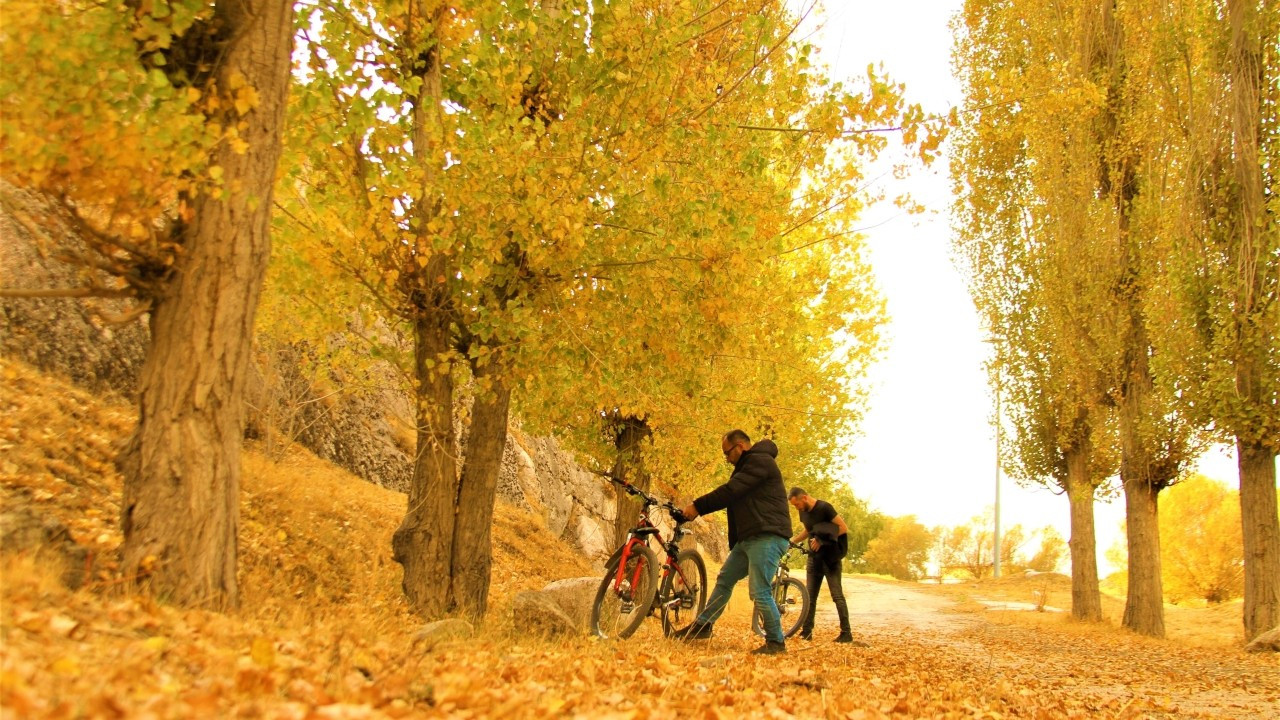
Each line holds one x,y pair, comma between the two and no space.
759,526
828,538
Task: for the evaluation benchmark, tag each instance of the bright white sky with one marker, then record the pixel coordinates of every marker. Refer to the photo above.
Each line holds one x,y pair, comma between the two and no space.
928,447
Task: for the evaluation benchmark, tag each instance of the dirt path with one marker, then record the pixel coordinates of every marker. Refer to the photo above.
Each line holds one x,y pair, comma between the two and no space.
888,606
1116,668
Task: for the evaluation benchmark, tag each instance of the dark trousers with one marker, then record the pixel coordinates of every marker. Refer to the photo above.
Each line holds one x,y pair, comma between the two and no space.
815,571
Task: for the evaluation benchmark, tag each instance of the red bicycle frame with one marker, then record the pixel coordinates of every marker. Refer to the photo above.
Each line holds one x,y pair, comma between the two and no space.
637,536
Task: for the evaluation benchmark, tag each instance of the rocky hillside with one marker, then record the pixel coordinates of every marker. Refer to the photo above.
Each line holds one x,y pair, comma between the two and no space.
308,528
362,424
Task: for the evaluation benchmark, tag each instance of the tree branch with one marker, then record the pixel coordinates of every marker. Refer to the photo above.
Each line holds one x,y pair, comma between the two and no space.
839,234
126,317
66,292
776,407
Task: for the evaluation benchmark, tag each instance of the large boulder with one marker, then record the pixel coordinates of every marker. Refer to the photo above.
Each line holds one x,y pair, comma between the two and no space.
574,596
1268,641
538,613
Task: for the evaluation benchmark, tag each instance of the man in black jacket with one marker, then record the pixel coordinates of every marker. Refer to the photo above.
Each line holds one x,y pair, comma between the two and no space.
759,528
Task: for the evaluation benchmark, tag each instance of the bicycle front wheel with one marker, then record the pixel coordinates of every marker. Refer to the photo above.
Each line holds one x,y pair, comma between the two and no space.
684,592
793,607
621,604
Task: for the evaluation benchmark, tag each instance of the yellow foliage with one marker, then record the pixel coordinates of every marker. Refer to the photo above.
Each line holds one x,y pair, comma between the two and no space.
1201,549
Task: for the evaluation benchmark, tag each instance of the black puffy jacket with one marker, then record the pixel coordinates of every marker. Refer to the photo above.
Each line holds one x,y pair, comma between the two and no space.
754,495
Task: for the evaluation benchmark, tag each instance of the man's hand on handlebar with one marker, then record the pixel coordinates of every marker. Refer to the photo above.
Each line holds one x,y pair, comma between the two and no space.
690,512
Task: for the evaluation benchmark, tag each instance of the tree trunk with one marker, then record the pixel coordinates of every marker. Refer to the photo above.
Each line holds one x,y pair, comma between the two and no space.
1144,605
180,512
1086,600
1261,539
1250,25
423,543
629,465
472,553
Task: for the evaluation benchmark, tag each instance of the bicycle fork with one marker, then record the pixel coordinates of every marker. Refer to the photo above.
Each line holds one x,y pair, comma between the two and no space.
623,585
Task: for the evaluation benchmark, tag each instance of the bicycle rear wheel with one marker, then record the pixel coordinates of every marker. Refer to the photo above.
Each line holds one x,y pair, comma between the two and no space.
793,607
619,608
684,592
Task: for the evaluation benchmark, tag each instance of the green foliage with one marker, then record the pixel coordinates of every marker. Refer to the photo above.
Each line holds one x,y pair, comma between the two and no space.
111,109
85,118
1032,235
1214,219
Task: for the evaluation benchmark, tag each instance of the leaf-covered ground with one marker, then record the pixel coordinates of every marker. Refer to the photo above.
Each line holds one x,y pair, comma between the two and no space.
324,634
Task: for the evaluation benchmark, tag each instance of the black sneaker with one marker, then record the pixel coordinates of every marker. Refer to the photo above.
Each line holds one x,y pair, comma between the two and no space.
770,648
806,634
847,637
695,631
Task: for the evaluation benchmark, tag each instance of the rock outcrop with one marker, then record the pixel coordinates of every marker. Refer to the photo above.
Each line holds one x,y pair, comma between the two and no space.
538,475
75,338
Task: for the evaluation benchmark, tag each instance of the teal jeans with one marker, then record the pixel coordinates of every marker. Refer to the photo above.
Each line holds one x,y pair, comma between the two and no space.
755,558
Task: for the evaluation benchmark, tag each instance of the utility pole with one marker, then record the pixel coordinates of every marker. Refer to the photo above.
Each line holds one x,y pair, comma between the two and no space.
994,339
995,568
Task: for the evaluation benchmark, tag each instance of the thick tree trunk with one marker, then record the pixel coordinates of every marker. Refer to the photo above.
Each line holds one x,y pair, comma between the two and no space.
472,553
629,465
1261,539
423,543
1086,600
180,514
1251,23
1144,605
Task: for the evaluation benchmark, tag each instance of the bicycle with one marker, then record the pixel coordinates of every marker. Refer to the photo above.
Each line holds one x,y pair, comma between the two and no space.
788,592
630,590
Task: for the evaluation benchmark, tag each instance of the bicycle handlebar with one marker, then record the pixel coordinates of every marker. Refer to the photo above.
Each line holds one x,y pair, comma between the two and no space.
676,513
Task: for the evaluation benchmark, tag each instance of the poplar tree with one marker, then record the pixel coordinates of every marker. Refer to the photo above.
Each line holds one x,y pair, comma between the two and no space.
157,125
